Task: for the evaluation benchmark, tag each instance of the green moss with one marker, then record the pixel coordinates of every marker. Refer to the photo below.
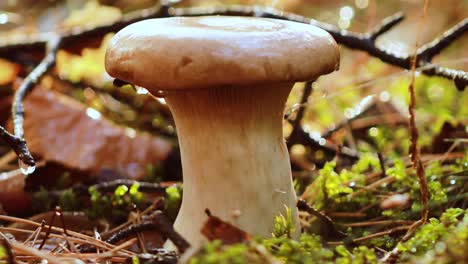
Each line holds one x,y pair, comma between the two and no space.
447,228
308,249
68,200
283,225
214,252
173,200
3,252
115,207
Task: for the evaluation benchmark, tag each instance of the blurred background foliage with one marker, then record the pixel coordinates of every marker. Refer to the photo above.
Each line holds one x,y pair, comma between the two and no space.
348,194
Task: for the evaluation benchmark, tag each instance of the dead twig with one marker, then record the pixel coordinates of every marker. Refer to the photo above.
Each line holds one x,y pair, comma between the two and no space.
383,233
379,223
18,145
427,53
329,227
414,149
158,221
90,240
296,124
16,141
48,230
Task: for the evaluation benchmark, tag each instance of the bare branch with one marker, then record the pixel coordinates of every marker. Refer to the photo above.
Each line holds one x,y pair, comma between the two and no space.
296,124
431,49
18,145
157,221
329,229
17,142
30,81
386,24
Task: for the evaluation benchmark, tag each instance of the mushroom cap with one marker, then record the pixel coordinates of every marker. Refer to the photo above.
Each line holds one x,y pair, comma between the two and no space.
199,52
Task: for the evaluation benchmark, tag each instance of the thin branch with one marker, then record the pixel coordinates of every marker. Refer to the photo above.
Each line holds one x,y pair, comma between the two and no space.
298,135
304,138
431,49
383,233
18,145
386,24
48,231
17,142
164,225
130,231
427,52
382,164
329,228
414,149
296,124
347,121
158,221
30,81
379,223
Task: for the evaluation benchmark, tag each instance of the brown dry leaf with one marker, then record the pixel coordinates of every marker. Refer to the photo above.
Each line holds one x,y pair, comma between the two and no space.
62,130
217,229
12,195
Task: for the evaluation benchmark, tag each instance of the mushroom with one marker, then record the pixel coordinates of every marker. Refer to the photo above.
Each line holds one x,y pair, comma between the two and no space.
226,80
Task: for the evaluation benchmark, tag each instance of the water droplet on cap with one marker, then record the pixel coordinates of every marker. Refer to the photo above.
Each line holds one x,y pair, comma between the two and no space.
141,90
25,168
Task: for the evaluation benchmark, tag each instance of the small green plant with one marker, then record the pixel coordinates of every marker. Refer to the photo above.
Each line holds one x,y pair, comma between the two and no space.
283,225
173,200
307,250
116,206
214,252
3,252
428,235
154,173
135,260
68,200
41,200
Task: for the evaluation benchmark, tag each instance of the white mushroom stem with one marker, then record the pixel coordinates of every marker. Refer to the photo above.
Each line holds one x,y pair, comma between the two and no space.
234,158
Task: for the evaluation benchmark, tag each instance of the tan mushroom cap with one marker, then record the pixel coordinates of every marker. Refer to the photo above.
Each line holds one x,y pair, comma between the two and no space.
200,52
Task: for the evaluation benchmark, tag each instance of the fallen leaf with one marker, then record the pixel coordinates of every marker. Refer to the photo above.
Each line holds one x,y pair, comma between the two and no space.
217,229
13,198
60,129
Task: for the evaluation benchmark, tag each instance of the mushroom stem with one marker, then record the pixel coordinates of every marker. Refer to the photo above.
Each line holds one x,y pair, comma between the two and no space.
234,158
